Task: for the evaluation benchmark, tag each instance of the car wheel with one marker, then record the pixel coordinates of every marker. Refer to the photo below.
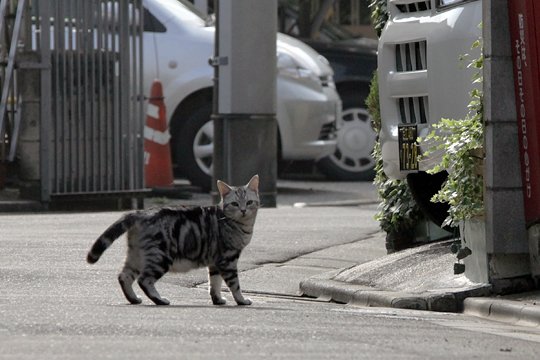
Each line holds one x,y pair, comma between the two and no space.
423,186
194,147
352,160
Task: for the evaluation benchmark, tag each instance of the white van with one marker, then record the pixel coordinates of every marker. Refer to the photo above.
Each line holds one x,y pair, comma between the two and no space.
421,80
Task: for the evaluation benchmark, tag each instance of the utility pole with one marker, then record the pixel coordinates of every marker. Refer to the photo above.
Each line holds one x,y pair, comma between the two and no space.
245,129
202,6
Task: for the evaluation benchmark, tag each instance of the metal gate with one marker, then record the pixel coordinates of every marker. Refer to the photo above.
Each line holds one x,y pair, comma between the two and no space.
91,96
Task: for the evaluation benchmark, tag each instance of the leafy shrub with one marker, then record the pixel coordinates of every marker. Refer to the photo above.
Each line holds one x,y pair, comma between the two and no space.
461,142
398,212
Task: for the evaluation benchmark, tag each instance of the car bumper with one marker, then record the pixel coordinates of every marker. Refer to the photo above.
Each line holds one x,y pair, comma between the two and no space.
306,116
421,78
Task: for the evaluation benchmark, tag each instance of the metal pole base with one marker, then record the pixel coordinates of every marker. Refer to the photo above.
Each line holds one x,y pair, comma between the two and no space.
245,145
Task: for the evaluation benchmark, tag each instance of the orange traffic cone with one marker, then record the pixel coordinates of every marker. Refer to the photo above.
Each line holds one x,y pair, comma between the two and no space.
157,151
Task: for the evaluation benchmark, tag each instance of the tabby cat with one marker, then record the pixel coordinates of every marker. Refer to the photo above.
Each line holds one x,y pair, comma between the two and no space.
181,239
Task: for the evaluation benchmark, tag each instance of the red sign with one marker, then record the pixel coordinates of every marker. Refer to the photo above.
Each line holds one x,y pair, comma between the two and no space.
525,35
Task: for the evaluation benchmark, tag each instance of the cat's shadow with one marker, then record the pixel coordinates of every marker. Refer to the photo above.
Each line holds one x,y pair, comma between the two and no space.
230,307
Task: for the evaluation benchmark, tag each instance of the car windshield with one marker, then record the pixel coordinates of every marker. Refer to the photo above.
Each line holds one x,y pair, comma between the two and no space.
326,32
179,7
331,32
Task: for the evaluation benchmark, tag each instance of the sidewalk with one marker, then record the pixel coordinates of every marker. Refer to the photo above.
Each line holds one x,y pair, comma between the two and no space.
421,278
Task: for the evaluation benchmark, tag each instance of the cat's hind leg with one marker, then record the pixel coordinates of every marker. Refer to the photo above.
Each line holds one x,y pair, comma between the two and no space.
131,269
214,277
126,279
146,281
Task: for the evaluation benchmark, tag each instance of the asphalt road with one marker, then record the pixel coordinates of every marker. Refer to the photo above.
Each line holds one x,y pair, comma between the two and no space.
55,306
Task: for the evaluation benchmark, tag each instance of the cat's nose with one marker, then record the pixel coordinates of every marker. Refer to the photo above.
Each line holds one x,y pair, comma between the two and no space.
243,212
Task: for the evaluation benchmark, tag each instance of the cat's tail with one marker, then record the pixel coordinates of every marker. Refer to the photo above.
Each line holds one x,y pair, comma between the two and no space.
112,233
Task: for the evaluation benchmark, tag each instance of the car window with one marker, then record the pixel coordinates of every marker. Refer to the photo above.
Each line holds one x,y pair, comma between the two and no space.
184,10
151,23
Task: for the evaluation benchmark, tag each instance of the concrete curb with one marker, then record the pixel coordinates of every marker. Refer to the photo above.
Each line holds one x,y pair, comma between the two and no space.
12,206
507,311
346,293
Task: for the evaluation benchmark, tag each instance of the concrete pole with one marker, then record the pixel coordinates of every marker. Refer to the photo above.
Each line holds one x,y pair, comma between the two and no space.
245,129
506,237
202,6
29,142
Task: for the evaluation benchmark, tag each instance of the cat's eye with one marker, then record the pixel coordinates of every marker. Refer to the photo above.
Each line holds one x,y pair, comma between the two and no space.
249,202
234,203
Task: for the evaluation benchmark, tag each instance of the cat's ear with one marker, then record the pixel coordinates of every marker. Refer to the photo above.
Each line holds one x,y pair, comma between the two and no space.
253,184
223,188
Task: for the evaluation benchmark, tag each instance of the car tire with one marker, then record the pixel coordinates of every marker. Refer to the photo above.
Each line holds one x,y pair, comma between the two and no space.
194,146
352,160
423,186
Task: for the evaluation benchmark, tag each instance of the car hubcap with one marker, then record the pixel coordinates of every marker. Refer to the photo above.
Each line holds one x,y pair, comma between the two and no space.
355,141
203,147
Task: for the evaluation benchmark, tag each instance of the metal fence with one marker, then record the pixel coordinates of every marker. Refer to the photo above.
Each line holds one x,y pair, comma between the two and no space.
91,96
9,100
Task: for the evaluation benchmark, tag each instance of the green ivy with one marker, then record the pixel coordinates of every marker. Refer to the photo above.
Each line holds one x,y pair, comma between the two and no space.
461,143
379,15
398,212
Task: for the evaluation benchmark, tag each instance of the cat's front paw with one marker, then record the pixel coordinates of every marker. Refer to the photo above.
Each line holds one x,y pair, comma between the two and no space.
244,302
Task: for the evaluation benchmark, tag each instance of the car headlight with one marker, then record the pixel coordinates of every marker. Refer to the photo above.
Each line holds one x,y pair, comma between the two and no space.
445,3
288,66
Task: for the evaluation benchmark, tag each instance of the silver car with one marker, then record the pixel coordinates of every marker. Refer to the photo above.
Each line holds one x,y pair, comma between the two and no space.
178,43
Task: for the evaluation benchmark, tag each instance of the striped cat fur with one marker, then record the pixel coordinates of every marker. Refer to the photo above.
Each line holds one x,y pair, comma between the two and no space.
180,239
